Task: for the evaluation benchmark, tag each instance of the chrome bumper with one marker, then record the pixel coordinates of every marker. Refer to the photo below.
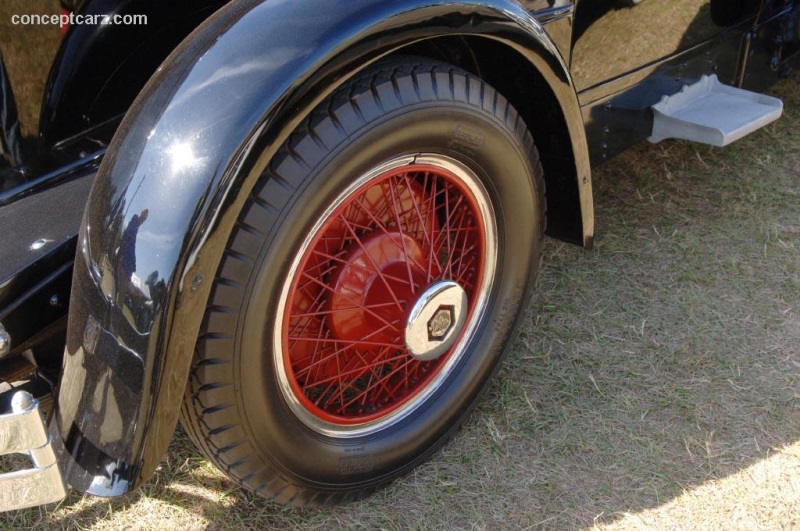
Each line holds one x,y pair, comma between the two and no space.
23,431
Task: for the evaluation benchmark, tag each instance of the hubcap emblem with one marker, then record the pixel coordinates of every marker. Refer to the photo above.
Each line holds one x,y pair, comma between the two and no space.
440,323
436,320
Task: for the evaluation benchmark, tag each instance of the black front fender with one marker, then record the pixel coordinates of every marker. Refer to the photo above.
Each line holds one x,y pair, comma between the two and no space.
175,177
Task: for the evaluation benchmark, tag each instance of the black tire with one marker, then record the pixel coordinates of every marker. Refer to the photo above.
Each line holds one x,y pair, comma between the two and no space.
236,411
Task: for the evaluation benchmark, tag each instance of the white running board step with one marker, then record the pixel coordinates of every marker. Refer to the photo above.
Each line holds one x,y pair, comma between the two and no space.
712,113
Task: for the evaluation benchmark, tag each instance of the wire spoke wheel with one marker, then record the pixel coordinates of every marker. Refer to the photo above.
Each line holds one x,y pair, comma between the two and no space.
343,356
376,273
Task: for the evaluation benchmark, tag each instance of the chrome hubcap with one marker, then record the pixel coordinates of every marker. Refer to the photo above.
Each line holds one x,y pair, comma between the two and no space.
436,320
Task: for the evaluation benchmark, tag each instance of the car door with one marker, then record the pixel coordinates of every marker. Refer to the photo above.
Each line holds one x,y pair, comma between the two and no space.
612,38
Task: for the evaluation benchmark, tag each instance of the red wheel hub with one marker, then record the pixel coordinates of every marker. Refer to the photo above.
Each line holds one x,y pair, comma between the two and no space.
344,351
376,275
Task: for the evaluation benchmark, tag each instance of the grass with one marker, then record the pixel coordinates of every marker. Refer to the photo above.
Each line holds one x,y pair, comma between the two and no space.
655,384
28,52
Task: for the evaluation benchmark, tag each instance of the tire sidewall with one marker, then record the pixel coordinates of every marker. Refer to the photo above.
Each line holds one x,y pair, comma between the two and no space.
496,154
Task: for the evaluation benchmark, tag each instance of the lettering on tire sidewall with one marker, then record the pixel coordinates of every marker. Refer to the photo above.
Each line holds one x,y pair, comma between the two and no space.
356,461
466,140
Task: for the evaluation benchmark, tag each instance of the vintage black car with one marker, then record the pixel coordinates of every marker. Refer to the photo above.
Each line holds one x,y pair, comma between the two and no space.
309,229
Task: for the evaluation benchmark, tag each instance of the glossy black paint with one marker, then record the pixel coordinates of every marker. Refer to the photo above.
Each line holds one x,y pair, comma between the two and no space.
39,242
621,118
67,172
100,69
10,136
611,39
736,44
178,171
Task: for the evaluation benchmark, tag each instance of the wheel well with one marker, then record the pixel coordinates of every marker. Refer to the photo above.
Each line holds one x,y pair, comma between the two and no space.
524,86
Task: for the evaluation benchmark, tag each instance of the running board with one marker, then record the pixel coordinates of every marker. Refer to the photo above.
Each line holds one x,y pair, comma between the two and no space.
710,112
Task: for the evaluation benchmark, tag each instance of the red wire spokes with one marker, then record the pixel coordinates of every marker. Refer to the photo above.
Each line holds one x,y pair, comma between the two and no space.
347,308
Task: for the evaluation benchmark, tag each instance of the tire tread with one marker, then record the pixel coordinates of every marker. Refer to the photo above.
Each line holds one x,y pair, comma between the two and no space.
208,414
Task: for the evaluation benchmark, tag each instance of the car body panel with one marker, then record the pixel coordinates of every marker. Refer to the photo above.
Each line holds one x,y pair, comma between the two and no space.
611,39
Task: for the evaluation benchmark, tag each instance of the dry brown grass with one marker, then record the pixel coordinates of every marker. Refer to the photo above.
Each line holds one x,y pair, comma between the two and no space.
656,383
28,52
